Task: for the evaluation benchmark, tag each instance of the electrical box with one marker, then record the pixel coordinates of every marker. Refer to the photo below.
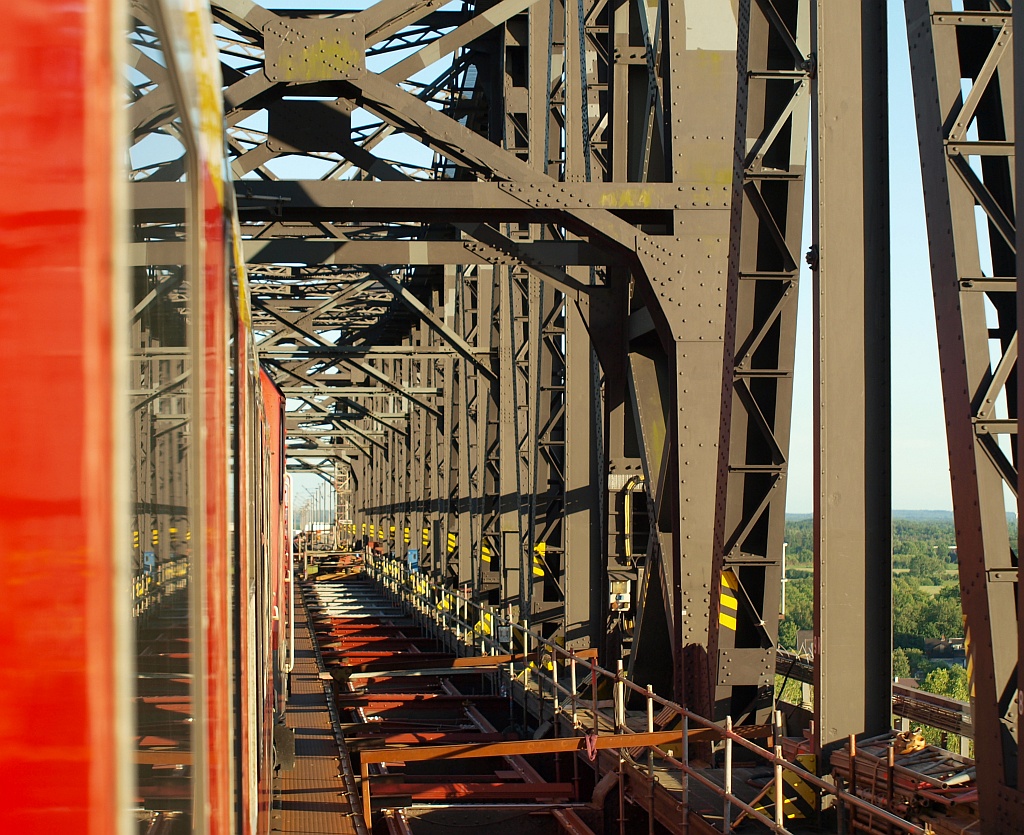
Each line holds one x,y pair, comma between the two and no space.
619,597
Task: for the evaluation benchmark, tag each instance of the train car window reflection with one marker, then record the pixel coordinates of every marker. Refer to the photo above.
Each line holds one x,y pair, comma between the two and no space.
161,455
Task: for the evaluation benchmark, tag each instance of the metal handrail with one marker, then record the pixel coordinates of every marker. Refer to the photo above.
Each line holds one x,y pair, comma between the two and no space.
405,586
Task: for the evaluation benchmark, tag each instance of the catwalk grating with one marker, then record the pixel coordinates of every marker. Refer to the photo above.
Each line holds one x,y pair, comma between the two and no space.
397,688
312,798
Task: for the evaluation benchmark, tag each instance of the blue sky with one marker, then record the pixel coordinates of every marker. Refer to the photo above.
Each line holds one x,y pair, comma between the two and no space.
920,470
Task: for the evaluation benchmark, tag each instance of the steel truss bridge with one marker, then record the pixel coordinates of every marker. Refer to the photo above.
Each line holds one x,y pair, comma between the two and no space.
527,271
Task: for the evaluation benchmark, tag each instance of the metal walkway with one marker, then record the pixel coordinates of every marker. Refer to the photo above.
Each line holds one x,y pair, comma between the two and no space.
312,798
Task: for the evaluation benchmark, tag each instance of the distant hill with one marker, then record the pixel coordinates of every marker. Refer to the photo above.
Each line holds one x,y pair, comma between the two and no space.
924,515
911,515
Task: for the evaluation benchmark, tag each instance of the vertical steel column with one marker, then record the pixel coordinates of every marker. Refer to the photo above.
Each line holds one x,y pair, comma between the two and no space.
485,435
850,259
471,286
963,73
684,288
449,441
772,105
419,450
587,42
1018,175
490,448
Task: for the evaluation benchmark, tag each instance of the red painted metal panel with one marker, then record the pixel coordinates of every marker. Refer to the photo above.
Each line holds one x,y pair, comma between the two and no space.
246,544
58,716
273,407
220,753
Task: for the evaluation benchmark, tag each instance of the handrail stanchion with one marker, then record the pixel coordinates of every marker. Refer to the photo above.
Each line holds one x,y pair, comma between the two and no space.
526,673
853,776
572,676
554,692
650,761
778,769
620,699
727,808
684,776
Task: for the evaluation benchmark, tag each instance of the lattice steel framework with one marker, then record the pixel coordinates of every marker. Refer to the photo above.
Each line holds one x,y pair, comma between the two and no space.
963,74
506,259
529,269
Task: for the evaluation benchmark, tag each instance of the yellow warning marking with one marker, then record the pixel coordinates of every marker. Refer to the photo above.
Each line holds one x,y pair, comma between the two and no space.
727,600
539,567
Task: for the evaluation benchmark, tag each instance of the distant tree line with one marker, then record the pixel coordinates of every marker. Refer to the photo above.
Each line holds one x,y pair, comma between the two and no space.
926,594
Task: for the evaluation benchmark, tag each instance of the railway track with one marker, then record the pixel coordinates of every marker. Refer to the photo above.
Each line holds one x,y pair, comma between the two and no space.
398,688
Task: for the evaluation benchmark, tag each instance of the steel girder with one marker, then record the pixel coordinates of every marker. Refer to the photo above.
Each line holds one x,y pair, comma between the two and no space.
963,74
586,276
159,371
850,263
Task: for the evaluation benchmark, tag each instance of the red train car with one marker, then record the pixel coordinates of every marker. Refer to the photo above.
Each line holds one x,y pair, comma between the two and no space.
143,543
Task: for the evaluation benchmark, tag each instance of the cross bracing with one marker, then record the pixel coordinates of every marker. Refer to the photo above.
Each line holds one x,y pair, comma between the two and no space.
528,271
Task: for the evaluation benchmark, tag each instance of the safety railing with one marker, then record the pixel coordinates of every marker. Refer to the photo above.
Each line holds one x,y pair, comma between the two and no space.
476,628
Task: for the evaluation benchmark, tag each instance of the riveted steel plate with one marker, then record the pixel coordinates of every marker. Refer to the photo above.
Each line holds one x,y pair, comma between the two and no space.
314,50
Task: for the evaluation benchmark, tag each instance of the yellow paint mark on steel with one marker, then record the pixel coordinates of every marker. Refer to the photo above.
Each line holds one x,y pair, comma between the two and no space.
539,551
206,72
627,198
312,63
728,600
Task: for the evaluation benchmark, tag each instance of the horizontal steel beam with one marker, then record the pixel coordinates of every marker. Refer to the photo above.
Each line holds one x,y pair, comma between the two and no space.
393,252
469,198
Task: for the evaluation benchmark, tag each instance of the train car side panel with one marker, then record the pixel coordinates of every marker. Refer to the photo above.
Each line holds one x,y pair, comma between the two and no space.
63,750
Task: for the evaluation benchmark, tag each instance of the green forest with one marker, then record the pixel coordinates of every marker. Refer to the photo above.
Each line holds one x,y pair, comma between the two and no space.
926,597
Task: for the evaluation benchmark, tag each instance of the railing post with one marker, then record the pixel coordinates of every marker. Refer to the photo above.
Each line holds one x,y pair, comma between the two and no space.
890,771
684,777
620,698
615,699
572,684
650,761
727,809
555,701
853,776
779,800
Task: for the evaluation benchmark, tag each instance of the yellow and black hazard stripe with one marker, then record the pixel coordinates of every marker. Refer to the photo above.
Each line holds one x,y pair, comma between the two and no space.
453,542
729,600
799,798
539,550
426,538
406,536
